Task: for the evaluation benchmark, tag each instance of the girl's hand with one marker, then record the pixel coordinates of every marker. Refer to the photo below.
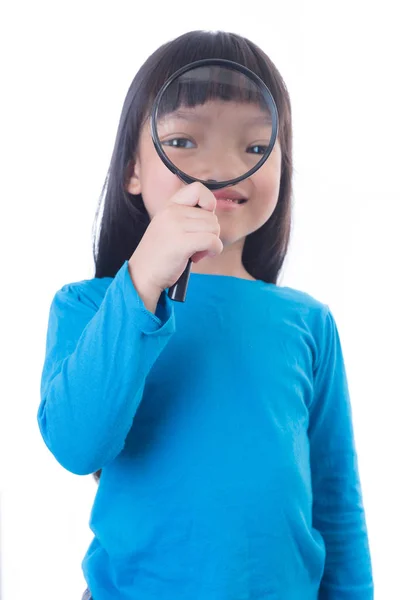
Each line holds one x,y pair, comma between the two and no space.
176,233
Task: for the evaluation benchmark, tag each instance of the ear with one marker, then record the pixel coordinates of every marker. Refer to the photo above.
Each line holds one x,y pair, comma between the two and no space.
133,185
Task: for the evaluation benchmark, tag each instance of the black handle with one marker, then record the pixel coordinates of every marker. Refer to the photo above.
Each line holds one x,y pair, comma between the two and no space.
178,290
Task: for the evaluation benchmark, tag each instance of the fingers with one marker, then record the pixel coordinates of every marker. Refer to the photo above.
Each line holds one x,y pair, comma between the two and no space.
196,194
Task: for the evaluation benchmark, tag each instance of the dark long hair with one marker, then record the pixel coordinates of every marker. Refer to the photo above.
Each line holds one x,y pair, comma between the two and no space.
122,219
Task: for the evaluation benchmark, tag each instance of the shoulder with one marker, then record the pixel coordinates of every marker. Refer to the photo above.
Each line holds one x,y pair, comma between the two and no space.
88,292
298,314
292,300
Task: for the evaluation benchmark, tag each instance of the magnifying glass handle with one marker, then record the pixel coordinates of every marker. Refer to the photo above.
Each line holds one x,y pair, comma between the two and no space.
178,290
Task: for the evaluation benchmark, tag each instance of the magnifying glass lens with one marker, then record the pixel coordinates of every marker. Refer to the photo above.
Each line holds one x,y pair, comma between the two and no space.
214,123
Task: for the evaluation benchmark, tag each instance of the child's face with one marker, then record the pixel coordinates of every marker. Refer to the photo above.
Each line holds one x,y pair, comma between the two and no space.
157,184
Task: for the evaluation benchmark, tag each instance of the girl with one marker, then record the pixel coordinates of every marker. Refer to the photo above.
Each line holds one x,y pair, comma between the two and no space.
220,429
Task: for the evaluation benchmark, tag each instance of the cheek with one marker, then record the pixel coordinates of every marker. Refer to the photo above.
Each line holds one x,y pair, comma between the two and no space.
158,185
267,179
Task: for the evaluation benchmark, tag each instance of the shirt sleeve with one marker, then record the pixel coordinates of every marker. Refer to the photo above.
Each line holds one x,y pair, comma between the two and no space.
96,363
338,512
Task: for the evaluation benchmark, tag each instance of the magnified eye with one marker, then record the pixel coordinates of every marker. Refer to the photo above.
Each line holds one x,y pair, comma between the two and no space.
179,143
257,149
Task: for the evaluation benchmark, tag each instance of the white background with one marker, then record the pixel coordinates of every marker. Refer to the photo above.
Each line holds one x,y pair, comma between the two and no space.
66,69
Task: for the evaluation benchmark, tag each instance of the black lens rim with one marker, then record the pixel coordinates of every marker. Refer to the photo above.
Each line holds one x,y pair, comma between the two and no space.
234,66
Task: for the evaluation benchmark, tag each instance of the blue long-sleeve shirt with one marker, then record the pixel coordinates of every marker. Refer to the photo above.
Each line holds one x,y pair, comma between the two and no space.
223,429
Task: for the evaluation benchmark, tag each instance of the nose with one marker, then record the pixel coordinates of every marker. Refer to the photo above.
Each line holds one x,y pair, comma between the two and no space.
221,166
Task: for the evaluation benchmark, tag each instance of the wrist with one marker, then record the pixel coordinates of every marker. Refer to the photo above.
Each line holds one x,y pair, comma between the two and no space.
149,294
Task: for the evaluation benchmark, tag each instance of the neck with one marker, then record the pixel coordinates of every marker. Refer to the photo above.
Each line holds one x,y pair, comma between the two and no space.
229,262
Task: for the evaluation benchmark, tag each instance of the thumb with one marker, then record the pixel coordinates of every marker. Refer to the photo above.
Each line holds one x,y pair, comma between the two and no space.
198,256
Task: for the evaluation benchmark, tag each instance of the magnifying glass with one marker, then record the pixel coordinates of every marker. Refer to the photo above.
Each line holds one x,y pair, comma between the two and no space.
216,122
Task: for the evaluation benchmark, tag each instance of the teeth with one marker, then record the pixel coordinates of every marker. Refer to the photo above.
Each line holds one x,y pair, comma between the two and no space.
235,201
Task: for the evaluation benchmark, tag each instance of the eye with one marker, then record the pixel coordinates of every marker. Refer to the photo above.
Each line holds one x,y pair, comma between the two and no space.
257,149
179,143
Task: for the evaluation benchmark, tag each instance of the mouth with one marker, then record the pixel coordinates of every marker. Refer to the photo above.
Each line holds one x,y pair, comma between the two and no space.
241,201
229,196
228,204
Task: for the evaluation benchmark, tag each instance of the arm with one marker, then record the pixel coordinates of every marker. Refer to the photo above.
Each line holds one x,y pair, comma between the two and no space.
338,512
97,360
